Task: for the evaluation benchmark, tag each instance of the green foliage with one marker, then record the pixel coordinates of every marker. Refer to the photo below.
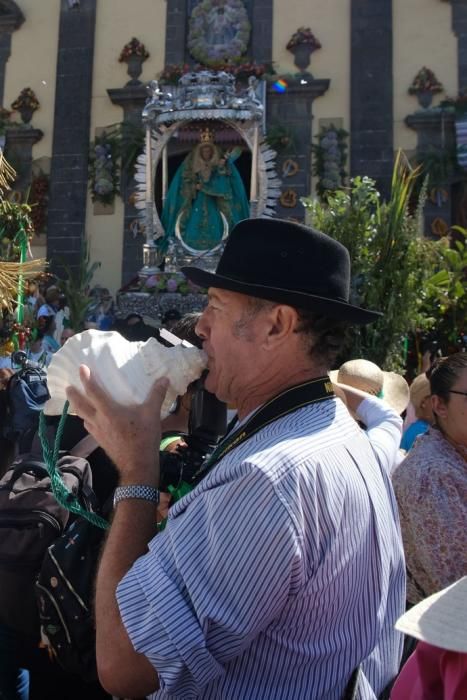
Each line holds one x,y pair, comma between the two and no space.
130,143
281,138
76,286
391,260
13,217
446,296
438,166
112,153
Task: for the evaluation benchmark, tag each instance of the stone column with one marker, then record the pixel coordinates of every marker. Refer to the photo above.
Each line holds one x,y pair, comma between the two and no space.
131,99
435,136
70,151
459,27
371,101
175,31
294,109
18,150
10,20
261,30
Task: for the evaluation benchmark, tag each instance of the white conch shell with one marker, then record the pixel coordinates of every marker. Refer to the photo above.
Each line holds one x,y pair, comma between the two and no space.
125,370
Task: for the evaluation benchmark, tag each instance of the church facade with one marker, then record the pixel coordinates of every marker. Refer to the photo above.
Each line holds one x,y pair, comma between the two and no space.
381,75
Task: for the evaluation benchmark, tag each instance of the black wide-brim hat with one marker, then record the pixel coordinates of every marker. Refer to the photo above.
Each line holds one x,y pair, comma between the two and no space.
288,263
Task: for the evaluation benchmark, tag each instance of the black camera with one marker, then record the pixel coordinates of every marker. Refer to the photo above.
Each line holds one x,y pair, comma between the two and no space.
207,424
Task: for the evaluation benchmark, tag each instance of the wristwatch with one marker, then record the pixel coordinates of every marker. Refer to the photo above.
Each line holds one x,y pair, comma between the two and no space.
145,493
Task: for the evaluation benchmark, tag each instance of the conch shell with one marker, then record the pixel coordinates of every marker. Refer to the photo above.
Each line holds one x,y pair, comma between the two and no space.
125,370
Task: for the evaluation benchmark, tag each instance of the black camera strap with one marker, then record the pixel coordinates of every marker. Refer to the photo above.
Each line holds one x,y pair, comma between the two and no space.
290,400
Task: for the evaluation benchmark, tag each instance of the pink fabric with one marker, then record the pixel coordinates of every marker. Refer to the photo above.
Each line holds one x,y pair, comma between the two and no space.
432,674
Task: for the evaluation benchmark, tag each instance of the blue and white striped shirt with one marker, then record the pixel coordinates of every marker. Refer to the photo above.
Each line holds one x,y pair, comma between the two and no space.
279,573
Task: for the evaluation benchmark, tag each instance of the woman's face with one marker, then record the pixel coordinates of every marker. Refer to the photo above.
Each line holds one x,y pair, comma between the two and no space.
206,152
452,414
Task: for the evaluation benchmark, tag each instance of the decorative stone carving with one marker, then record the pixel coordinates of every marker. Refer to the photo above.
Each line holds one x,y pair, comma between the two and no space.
219,31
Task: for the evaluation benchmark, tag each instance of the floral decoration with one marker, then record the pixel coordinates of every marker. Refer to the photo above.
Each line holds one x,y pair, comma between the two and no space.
242,71
133,48
172,282
303,35
38,200
425,81
227,18
329,158
26,100
104,170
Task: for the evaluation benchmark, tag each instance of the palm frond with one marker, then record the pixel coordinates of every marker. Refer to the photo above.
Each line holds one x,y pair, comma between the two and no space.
10,274
7,174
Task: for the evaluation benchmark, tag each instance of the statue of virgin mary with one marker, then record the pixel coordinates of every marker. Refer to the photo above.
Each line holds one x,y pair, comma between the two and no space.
206,197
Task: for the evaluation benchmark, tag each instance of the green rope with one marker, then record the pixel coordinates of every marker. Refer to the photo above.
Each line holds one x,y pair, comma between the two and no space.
51,455
22,240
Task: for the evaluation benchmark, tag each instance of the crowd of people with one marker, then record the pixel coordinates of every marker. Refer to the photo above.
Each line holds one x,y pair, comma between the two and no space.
323,554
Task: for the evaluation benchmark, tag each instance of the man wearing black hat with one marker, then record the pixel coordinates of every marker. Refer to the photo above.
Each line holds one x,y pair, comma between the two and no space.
281,574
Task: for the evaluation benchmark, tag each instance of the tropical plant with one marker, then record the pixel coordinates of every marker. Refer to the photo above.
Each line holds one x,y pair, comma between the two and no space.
446,295
76,286
391,260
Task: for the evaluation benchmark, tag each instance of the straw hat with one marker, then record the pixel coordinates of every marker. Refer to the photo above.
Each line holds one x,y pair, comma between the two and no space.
419,390
368,377
441,619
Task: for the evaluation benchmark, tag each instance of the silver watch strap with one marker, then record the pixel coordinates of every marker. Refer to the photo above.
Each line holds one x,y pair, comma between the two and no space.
140,491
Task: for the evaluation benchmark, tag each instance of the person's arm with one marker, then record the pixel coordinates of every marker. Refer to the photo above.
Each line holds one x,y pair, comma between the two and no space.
383,424
213,580
130,436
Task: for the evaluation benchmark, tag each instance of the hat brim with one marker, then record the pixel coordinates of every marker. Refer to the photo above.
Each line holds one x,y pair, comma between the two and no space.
396,391
440,618
340,310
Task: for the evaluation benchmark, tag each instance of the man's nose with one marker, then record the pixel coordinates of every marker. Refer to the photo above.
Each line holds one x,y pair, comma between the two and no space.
201,327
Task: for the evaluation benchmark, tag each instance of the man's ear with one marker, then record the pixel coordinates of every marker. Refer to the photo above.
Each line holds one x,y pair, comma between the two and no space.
283,320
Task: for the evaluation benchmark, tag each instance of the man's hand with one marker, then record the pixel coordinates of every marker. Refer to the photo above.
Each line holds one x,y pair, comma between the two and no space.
130,435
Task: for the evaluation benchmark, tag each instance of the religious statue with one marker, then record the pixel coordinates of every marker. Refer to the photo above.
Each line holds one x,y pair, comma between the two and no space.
206,197
221,28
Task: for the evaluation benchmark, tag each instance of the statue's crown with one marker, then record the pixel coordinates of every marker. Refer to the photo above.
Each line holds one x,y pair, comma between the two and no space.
206,136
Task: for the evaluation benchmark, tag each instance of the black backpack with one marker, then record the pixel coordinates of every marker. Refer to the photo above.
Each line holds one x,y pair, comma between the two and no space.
31,520
64,590
26,393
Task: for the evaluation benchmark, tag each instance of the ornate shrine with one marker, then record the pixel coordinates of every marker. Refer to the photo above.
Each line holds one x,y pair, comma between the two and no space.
209,185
